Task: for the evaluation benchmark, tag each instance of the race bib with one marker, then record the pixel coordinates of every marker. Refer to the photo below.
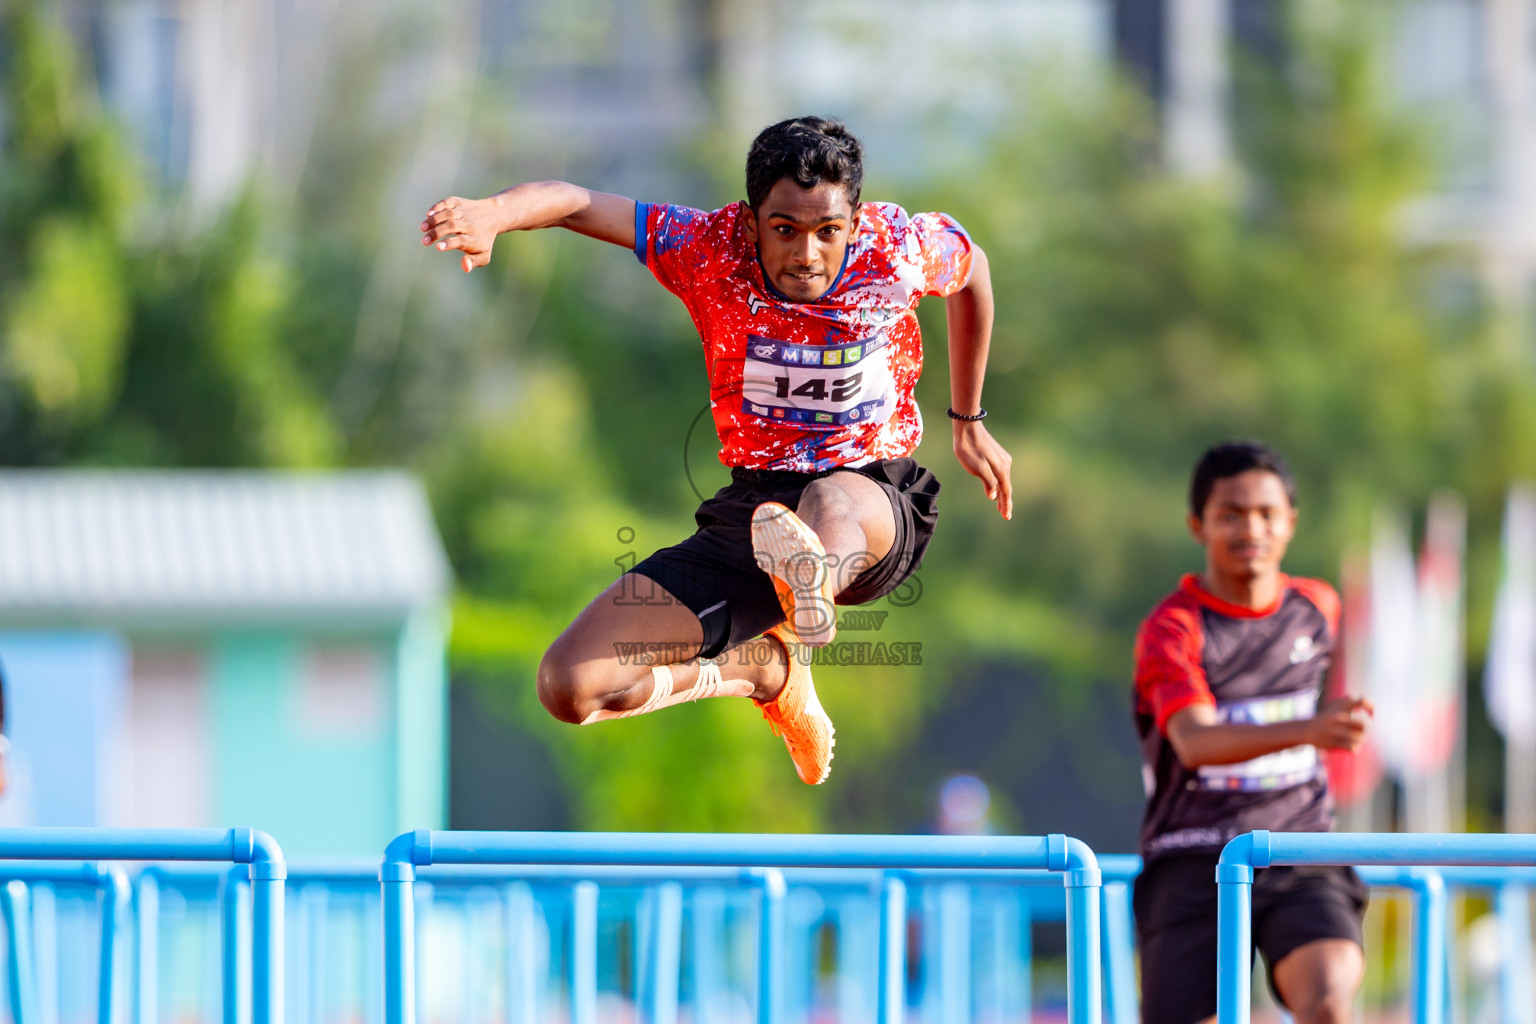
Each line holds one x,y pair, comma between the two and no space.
1280,770
827,386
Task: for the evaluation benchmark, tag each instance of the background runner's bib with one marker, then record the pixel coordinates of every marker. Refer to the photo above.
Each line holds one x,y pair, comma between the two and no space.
818,386
1283,768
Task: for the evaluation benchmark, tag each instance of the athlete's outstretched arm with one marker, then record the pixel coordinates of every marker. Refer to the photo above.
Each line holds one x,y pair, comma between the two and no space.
969,315
1199,739
471,225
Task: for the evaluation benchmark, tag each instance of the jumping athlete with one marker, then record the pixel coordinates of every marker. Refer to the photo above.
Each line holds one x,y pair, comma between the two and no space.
1229,669
805,300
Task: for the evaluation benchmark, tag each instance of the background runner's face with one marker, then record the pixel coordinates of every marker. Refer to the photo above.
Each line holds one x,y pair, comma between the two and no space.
1247,523
801,236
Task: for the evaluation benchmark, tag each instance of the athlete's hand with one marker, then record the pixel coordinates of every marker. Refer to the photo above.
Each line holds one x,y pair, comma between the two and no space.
1340,723
468,225
986,460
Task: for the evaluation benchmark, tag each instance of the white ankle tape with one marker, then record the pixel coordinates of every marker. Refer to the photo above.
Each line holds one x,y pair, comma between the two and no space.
710,683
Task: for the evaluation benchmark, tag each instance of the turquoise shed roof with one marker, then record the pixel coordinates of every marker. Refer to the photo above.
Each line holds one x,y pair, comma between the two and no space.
192,546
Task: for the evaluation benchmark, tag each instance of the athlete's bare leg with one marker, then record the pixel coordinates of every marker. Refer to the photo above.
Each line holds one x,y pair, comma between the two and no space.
853,517
1318,981
603,660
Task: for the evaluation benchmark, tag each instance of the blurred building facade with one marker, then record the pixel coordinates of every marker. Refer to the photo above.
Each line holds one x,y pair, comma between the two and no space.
209,649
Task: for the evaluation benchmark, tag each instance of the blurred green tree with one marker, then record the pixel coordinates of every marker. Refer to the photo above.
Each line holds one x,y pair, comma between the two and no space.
64,304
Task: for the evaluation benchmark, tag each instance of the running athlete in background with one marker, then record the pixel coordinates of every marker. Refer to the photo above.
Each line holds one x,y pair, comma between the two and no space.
805,300
1229,669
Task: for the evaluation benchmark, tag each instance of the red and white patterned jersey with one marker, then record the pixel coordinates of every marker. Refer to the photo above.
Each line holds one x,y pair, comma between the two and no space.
808,386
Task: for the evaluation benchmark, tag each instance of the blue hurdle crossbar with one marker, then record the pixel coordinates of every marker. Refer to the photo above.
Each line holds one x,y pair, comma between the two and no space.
768,853
1260,849
237,845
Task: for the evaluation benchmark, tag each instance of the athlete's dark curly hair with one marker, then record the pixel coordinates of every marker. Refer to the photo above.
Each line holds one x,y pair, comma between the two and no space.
1231,458
808,151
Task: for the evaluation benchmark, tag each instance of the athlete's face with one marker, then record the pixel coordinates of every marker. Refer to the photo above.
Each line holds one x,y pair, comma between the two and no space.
1246,526
801,236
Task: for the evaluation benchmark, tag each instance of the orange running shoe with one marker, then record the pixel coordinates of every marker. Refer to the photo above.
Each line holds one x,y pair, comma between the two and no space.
792,555
796,715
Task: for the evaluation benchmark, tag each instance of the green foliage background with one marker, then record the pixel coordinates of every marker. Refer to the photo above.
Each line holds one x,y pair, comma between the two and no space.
549,402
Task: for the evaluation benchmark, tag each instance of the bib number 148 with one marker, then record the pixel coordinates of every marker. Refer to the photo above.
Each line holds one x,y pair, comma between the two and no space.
843,389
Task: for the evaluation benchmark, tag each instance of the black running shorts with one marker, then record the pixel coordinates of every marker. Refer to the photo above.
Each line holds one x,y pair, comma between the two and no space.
1175,904
715,574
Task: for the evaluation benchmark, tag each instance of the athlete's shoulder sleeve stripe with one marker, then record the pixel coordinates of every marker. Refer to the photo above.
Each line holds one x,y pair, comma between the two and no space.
1322,597
1170,670
642,230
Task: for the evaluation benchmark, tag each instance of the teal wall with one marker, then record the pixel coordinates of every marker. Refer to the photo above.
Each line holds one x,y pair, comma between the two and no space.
421,694
320,795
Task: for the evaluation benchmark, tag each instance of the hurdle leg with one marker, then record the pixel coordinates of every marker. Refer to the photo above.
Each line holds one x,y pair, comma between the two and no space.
708,930
1119,955
522,954
424,903
316,905
1429,947
234,899
1234,939
146,976
267,887
114,907
955,953
1002,916
1085,978
371,918
770,949
1516,992
666,954
1026,947
857,917
584,953
44,913
892,999
22,973
398,884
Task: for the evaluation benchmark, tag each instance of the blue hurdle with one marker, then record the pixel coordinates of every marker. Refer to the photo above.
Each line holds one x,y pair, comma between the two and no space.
660,997
1260,849
224,887
242,846
107,879
1431,953
768,854
660,925
1512,902
1431,888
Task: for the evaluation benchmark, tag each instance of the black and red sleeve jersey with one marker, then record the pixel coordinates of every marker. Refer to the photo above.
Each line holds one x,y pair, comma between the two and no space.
1251,666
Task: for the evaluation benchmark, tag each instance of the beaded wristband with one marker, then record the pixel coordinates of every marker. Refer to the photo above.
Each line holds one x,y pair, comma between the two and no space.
968,419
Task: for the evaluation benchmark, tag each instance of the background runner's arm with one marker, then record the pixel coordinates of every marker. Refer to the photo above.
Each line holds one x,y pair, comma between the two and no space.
471,225
969,316
1199,739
